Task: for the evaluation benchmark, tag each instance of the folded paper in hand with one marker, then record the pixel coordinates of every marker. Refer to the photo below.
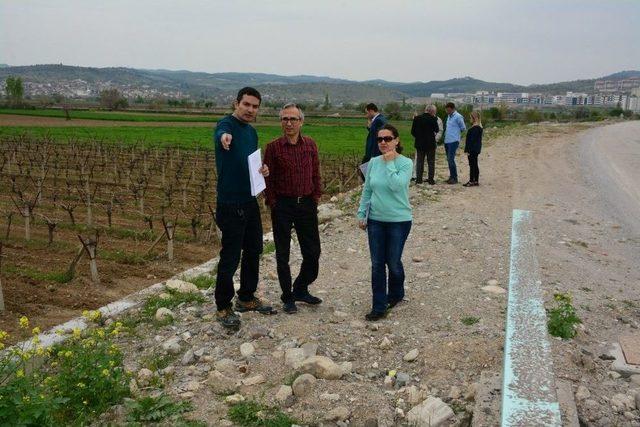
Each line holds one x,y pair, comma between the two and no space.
257,180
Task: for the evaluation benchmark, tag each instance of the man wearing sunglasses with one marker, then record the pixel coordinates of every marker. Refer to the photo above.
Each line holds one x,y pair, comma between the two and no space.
293,191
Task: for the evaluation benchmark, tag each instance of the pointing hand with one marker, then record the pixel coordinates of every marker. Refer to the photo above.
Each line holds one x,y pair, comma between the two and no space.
225,139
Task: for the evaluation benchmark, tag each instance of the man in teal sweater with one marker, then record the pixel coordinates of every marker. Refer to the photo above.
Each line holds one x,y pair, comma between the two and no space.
237,211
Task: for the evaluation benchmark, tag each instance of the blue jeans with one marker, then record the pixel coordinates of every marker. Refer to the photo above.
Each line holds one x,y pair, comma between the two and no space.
451,149
386,242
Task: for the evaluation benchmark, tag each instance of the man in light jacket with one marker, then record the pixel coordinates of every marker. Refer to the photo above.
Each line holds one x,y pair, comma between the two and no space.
452,134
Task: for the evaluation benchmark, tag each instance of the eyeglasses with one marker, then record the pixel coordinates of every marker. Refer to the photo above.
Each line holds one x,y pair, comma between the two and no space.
385,138
290,119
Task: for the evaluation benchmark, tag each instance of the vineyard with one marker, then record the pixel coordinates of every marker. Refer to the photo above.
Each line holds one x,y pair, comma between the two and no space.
83,223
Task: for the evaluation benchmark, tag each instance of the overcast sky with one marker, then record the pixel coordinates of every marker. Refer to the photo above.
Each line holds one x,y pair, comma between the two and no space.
513,41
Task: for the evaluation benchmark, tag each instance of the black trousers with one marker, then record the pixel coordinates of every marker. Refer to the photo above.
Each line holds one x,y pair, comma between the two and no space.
302,215
430,153
474,170
241,229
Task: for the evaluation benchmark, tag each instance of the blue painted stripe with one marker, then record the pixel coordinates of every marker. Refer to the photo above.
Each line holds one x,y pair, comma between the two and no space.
528,389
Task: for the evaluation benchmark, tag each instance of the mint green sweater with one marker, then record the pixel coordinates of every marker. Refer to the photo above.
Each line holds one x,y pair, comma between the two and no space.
386,190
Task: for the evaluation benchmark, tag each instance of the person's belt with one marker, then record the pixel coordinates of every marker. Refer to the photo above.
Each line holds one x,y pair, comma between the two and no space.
297,199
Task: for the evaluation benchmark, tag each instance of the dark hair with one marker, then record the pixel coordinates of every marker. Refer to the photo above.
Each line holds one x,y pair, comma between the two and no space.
248,91
371,107
450,105
395,133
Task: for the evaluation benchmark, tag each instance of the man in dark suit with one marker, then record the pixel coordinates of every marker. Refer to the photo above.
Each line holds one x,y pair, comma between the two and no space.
375,122
424,130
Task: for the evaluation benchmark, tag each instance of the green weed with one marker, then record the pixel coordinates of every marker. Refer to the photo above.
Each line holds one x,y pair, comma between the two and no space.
269,248
254,414
203,281
154,409
469,320
562,320
152,304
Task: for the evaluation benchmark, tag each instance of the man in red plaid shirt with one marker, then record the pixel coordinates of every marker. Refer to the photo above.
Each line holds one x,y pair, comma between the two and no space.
293,191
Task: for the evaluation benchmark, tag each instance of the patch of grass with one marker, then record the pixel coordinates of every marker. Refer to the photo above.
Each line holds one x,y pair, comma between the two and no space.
470,320
630,304
124,257
156,362
40,276
457,407
254,414
290,378
125,233
154,302
269,248
203,281
562,320
155,409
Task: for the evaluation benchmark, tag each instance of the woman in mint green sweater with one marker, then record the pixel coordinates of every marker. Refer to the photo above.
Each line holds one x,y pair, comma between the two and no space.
385,212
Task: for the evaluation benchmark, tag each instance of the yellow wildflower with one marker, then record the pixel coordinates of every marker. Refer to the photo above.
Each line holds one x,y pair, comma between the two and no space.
105,372
35,331
85,313
48,380
85,402
59,332
40,351
26,398
35,340
100,333
112,363
20,373
1,346
24,322
81,385
68,353
76,332
3,335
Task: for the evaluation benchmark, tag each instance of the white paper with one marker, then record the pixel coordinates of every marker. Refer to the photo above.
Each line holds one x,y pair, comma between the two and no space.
363,168
257,180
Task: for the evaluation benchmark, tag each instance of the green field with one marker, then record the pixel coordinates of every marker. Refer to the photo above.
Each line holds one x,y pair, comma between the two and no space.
337,139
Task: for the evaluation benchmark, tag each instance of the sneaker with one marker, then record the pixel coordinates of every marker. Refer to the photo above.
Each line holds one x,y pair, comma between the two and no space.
468,184
290,307
228,318
375,315
452,181
254,305
307,298
431,182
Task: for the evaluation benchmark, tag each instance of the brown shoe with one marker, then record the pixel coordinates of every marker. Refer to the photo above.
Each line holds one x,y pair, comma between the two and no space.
255,304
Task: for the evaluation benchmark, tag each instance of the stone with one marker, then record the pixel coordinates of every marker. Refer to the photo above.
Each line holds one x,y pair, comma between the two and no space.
346,367
293,357
629,415
164,295
402,379
258,332
339,413
493,282
582,393
328,212
220,383
234,399
303,384
164,314
247,350
188,358
254,380
423,275
415,395
226,366
388,382
172,346
635,379
411,355
284,392
417,259
495,290
309,349
144,377
193,385
321,367
454,392
385,343
432,412
182,286
623,402
331,397
614,375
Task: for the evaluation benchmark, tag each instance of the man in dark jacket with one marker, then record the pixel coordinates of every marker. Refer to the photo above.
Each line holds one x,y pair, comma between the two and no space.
375,123
424,130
